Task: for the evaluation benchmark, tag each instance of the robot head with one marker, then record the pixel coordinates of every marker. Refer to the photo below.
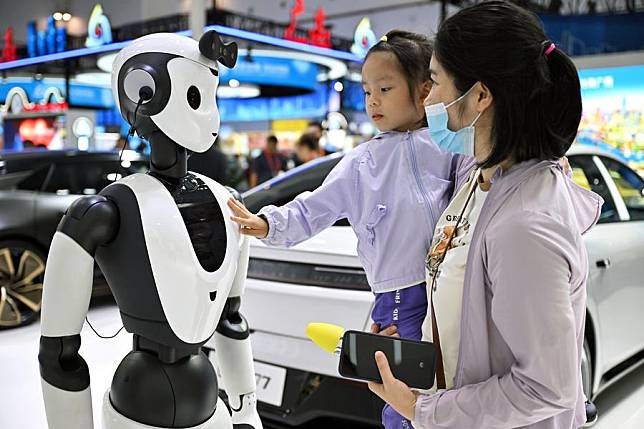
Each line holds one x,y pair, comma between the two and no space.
173,80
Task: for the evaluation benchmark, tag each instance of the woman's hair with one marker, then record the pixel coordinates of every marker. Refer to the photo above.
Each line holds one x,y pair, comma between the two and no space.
413,52
535,87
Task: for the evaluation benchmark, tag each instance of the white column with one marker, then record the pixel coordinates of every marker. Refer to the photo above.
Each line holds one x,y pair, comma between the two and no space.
197,18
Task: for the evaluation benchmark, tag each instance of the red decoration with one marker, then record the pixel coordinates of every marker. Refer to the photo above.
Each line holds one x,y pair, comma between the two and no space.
39,131
48,107
9,51
318,35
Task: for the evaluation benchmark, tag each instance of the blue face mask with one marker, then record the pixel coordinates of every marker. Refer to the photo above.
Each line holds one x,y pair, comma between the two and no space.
461,141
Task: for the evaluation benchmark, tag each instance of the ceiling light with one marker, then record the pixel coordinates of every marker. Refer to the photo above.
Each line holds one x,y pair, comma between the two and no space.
105,62
336,68
94,78
241,91
67,16
58,16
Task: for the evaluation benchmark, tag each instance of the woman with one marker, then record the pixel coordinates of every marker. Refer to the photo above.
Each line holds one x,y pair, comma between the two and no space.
510,328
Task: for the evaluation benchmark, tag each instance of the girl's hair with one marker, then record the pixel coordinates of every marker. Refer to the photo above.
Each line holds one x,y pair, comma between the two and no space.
535,87
413,52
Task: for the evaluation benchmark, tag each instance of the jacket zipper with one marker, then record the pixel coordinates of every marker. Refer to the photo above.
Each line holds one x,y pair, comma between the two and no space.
414,168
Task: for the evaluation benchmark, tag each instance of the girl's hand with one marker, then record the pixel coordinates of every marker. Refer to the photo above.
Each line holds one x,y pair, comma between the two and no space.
251,224
393,391
391,331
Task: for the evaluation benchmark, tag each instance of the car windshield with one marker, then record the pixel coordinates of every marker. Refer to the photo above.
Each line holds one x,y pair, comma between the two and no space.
285,188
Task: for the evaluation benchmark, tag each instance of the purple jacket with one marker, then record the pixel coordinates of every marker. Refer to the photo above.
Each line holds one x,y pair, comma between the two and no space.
392,190
524,299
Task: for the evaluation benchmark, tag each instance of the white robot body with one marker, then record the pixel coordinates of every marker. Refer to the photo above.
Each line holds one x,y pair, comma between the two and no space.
175,262
188,308
112,419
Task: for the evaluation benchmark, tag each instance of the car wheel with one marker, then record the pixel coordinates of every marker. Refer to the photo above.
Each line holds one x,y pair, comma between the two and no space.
587,371
587,384
22,270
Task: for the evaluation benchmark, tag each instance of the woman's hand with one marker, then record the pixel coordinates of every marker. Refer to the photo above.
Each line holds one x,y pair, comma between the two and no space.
391,331
250,224
567,169
393,391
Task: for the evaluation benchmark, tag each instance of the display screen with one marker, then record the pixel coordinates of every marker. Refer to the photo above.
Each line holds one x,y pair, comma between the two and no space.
613,112
413,362
34,133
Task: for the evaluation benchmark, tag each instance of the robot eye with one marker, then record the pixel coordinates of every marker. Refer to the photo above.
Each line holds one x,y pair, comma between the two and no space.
194,97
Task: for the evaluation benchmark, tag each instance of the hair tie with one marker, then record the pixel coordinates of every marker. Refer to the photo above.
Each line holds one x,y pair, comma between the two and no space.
383,38
551,47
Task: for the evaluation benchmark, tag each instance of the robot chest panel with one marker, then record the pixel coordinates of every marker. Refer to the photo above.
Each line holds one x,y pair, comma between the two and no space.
204,221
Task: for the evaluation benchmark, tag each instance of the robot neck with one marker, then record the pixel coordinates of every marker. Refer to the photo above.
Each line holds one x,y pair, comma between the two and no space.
167,159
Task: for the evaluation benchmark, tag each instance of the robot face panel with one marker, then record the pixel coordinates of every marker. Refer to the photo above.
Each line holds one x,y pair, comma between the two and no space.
190,117
165,82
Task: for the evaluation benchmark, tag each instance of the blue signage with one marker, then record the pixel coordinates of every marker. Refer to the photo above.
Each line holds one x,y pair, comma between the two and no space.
595,34
264,70
81,95
310,105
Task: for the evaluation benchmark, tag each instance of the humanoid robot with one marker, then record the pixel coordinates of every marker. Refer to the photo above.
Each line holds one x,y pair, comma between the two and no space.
175,262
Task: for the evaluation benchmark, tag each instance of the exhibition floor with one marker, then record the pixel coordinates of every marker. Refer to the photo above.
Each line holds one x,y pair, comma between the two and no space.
621,405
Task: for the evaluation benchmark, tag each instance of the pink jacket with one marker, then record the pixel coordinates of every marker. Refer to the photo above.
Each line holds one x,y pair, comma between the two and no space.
524,297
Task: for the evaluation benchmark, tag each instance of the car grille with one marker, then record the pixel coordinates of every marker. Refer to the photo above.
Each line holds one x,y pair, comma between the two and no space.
308,274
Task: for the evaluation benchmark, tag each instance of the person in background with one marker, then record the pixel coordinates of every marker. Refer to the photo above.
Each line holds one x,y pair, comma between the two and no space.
121,144
315,129
268,164
307,148
142,148
212,163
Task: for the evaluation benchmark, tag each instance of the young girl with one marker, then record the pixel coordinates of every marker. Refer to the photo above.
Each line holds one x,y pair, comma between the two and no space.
391,189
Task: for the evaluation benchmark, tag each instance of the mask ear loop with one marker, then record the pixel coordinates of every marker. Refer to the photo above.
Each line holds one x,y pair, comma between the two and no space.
476,119
447,106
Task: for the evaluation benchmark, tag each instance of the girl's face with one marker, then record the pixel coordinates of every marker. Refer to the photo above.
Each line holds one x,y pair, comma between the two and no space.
387,99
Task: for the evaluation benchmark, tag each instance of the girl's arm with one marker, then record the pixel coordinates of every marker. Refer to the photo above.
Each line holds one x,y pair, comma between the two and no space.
309,213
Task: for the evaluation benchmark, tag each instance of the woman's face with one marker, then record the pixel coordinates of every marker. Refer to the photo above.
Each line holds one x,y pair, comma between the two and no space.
444,91
462,113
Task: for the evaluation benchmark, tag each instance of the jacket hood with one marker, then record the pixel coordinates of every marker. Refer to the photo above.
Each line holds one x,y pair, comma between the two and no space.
586,204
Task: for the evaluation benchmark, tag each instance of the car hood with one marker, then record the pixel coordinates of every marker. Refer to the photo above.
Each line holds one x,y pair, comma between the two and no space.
333,246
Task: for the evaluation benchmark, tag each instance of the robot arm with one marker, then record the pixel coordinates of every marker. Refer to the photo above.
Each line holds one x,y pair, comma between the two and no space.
233,353
89,222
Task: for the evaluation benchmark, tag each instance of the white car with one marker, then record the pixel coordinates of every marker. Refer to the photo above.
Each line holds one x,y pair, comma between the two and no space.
321,280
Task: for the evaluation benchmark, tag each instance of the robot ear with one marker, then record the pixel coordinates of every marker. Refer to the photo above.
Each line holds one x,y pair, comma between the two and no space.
139,84
211,46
